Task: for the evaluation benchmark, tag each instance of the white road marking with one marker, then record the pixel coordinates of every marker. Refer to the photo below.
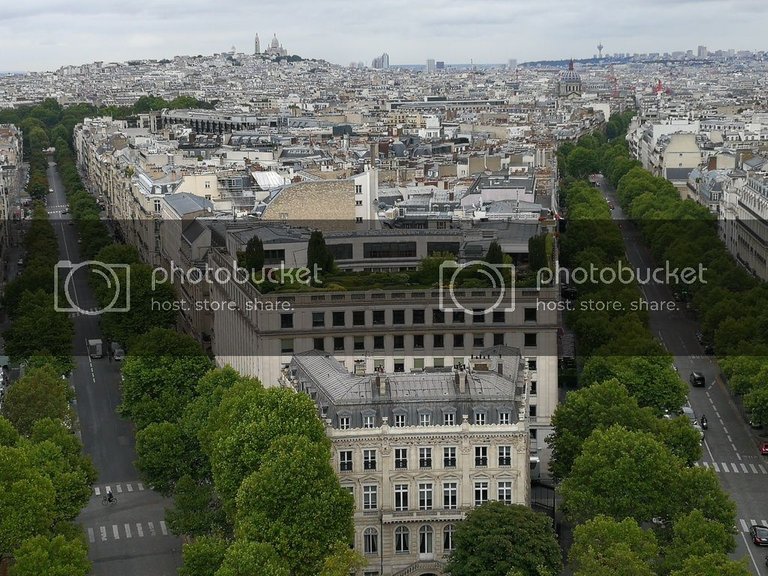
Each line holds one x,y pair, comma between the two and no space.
696,464
744,526
130,488
753,468
139,530
97,490
729,438
127,530
119,488
107,489
763,522
752,522
725,429
140,485
744,467
91,536
734,467
103,531
749,549
151,527
116,531
717,468
163,528
762,469
737,454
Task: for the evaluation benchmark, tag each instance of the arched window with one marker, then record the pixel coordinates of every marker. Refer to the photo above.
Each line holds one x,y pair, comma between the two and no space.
426,536
402,537
371,541
448,544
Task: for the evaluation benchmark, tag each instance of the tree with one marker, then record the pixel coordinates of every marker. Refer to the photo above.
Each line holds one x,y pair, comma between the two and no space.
695,535
295,503
8,434
319,258
342,561
699,489
38,328
494,255
713,565
245,558
253,257
604,547
497,538
164,455
197,510
41,393
54,556
683,440
203,556
582,162
622,474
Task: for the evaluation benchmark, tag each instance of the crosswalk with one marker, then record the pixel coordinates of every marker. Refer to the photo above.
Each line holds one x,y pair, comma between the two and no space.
745,523
126,531
119,488
733,467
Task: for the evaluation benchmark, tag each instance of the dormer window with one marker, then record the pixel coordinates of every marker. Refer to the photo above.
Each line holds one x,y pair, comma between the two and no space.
425,419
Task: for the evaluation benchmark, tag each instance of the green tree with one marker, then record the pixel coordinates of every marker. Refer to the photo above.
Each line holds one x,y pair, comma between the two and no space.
8,434
699,489
318,256
713,565
38,328
197,510
604,547
500,539
695,535
54,556
342,561
203,556
582,162
245,558
494,254
164,455
295,503
41,393
252,259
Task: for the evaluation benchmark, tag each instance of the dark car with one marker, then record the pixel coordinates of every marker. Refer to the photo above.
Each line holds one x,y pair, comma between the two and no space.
697,379
764,448
759,534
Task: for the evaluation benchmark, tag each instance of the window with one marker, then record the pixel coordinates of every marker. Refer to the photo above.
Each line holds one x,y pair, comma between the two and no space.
369,421
378,342
207,183
399,365
481,492
398,316
438,317
529,339
358,189
458,317
425,540
438,340
504,418
449,457
499,317
458,340
425,496
286,320
350,489
401,497
399,341
478,341
358,219
418,341
418,363
425,457
378,317
338,319
449,419
286,345
481,455
532,364
359,342
358,318
343,422
418,316
425,419
371,541
532,411
338,344
505,491
399,420
369,459
371,497
402,545
401,458
318,344
532,433
448,531
498,339
480,418
529,314
450,495
505,455
478,316
157,205
533,387
439,362
358,202
345,460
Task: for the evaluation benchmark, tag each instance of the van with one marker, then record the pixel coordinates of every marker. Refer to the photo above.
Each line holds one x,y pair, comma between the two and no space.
697,379
117,351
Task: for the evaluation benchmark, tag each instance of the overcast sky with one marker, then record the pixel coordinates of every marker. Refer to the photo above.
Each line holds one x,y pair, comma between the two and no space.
47,34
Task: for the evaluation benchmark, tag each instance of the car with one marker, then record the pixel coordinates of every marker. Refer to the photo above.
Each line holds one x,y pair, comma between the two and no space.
20,262
65,211
611,205
50,190
759,534
764,448
755,424
697,379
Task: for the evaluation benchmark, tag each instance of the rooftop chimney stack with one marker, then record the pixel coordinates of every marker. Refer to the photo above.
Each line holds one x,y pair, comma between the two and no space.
381,384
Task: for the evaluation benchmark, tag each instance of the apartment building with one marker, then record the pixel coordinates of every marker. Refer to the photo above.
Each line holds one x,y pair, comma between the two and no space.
744,222
419,450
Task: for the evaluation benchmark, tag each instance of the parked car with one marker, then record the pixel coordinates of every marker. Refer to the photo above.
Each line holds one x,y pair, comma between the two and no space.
117,351
697,379
764,448
759,534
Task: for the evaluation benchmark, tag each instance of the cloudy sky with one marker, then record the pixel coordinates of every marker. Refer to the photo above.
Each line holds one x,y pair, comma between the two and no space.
46,34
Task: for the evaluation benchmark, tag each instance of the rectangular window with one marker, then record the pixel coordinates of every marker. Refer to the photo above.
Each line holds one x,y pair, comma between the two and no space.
319,344
533,387
399,420
449,419
499,317
438,341
370,497
532,411
505,455
401,497
318,319
479,341
425,457
402,545
345,460
498,339
359,342
529,339
449,457
439,362
418,316
399,365
504,418
418,341
425,419
344,423
418,363
399,341
532,364
358,189
401,458
481,456
425,496
450,495
358,202
369,459
529,314
458,340
338,319
286,320
438,316
338,344
458,317
286,345
378,342
505,491
481,492
398,316
378,317
448,539
358,318
369,421
478,316
480,418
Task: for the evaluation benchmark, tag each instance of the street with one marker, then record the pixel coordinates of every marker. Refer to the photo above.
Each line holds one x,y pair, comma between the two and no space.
730,447
129,538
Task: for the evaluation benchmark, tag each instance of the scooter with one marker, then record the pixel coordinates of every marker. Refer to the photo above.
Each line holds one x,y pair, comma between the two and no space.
703,423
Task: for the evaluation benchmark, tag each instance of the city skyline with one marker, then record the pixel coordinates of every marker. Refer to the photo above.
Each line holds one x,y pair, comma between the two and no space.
52,33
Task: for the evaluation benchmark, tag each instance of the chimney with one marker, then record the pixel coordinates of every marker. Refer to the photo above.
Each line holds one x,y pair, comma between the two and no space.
381,384
461,380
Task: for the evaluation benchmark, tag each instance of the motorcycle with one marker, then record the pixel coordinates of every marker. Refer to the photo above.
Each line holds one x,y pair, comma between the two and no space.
703,423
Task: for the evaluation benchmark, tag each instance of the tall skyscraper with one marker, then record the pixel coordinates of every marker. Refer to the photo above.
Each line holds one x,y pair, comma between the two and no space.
430,66
256,45
512,64
702,52
381,62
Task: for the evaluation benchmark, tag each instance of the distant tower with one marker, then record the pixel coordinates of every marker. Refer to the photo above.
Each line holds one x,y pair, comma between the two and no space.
256,46
430,66
600,50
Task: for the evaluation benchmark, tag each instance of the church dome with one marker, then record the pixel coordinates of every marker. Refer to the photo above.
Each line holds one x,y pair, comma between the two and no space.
570,75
